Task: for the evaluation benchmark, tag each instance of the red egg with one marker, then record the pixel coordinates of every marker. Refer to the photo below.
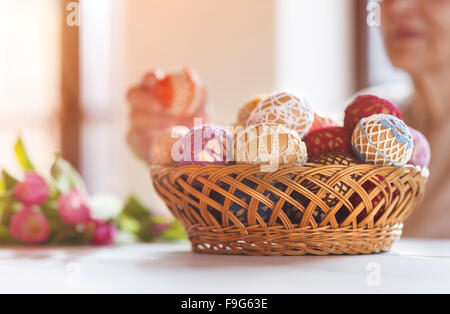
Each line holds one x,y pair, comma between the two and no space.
366,106
327,140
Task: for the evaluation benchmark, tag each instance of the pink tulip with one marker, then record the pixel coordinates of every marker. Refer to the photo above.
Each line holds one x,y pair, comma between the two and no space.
74,208
104,233
32,191
29,226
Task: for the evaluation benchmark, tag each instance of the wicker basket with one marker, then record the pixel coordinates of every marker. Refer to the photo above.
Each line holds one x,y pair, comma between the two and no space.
314,209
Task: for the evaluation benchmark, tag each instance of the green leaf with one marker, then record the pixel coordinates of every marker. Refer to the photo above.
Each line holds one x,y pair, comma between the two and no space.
6,208
70,236
63,234
144,234
133,208
9,181
22,156
138,220
129,224
5,237
65,176
55,193
50,210
135,218
174,232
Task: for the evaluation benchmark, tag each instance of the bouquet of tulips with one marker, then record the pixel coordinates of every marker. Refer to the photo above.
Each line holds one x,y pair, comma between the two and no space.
58,210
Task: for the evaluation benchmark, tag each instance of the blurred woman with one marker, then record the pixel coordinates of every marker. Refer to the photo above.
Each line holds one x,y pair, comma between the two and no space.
417,39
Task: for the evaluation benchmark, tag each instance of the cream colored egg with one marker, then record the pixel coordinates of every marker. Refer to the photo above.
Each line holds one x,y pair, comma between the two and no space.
382,140
269,144
285,109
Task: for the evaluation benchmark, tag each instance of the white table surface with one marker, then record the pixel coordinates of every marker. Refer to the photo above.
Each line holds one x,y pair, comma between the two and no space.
411,266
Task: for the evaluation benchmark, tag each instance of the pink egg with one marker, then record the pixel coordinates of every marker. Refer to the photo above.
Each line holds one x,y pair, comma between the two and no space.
421,155
205,145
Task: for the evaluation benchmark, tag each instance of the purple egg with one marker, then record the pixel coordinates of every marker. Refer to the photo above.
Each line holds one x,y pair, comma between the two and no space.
206,144
421,154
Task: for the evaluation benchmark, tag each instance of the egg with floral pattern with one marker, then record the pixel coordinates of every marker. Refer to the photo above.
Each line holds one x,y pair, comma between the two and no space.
285,109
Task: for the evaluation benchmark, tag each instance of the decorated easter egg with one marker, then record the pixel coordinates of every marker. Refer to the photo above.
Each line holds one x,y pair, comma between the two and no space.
382,140
321,121
285,109
164,143
366,106
269,144
246,109
240,209
327,140
421,154
181,92
206,144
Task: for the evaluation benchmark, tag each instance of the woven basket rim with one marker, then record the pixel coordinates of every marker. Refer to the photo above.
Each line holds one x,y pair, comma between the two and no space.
423,170
253,169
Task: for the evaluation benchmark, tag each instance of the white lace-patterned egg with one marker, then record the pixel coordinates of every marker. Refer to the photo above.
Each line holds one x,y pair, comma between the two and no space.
269,144
285,109
382,140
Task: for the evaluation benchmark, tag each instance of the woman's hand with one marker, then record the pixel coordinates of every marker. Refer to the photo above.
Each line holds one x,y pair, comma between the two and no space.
148,117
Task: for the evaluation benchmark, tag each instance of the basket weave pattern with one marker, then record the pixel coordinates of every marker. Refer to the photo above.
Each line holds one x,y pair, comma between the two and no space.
314,209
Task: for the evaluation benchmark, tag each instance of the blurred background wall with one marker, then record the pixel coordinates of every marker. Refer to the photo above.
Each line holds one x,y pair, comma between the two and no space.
29,78
315,50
